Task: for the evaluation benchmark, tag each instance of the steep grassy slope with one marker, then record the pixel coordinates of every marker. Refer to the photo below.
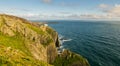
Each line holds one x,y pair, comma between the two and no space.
25,43
31,39
14,57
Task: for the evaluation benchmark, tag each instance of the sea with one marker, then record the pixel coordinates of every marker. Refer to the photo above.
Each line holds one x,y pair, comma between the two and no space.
97,41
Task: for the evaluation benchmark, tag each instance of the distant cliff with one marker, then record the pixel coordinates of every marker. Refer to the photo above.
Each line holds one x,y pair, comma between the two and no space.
27,43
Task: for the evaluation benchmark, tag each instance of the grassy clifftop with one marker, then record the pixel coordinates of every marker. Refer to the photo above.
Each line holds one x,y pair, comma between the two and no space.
26,43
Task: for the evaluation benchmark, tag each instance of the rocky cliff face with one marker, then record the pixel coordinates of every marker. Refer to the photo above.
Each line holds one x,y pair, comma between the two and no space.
36,40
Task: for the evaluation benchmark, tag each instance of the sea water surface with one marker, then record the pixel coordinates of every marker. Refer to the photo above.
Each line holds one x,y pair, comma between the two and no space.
97,41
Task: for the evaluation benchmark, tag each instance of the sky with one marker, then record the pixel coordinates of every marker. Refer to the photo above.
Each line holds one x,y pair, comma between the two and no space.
62,9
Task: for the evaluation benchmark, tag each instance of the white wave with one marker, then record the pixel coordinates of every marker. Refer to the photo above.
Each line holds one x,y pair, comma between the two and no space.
61,36
62,40
61,47
67,40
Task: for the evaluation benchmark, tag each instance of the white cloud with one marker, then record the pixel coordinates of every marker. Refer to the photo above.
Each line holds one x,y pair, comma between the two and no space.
95,16
108,12
112,12
115,10
47,1
103,6
69,4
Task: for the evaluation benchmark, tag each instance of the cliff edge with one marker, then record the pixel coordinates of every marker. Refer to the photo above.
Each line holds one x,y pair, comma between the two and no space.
26,43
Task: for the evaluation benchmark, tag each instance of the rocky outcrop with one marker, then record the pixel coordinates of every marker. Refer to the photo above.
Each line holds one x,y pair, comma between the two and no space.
39,41
36,40
68,58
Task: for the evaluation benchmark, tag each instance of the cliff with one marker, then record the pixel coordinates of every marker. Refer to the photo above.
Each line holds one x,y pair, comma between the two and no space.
26,43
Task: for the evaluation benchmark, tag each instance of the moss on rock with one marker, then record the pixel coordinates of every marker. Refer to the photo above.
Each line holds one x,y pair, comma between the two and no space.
67,58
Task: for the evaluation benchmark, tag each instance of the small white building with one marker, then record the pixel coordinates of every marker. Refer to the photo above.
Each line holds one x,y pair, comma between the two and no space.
45,24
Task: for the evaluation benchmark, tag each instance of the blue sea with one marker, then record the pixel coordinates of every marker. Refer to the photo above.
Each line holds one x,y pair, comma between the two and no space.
97,41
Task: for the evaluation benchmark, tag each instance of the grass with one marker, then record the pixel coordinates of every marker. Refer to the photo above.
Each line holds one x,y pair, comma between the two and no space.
2,21
45,41
65,62
20,43
36,29
13,57
16,42
70,58
14,51
51,32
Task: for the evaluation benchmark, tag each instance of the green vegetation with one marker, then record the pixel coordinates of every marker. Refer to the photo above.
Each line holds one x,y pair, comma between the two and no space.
36,29
2,21
16,42
46,39
27,44
68,58
51,32
15,57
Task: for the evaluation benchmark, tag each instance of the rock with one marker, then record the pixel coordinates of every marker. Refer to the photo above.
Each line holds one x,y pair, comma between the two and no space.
68,58
40,42
6,30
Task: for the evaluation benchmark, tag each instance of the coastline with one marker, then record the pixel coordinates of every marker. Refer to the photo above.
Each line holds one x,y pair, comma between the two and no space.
37,42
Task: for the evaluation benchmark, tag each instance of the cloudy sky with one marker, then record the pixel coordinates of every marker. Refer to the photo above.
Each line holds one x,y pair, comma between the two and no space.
62,9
